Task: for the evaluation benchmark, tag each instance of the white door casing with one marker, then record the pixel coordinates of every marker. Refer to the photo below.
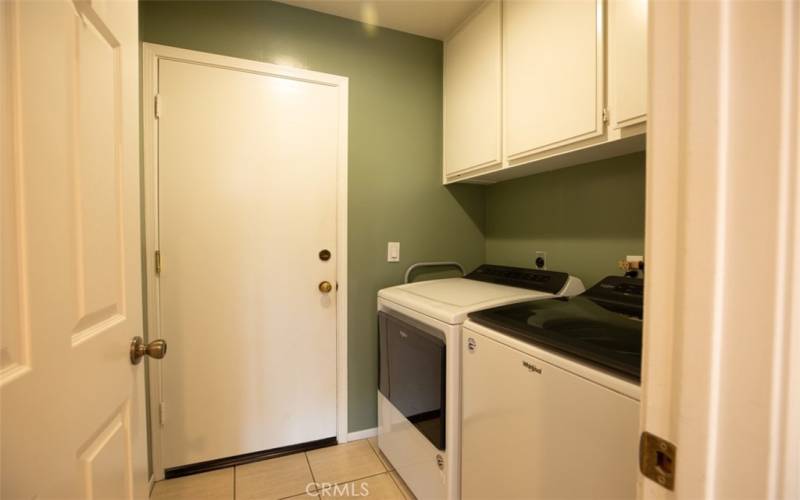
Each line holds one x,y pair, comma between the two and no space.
73,414
245,172
722,339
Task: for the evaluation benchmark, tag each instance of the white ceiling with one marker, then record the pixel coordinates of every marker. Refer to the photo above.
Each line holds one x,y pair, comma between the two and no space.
430,18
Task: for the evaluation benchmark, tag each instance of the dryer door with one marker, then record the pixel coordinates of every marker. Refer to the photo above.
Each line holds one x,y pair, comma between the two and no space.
412,375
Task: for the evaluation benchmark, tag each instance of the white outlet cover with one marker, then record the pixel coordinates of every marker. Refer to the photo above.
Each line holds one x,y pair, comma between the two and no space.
393,251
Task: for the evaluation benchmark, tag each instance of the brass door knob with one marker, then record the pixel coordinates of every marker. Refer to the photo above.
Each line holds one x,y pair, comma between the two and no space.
156,349
325,287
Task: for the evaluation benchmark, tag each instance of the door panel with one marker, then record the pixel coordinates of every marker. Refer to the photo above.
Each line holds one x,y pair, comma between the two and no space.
97,188
73,405
247,199
15,336
103,460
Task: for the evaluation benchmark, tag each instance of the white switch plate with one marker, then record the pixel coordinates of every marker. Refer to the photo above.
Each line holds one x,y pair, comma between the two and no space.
393,251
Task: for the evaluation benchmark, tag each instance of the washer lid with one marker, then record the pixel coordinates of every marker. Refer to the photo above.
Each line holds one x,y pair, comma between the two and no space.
602,326
450,300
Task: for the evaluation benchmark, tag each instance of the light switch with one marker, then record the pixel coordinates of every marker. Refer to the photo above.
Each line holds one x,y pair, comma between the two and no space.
393,251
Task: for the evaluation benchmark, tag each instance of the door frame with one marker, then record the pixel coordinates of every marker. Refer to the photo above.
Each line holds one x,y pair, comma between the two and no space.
723,390
151,54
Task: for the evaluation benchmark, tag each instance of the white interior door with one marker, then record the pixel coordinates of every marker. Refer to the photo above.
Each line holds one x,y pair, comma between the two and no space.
247,200
72,403
721,368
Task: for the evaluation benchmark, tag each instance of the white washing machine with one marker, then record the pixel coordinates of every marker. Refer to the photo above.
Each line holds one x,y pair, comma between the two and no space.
550,396
419,396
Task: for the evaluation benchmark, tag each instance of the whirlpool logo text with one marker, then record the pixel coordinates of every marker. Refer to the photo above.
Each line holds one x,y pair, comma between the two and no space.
531,367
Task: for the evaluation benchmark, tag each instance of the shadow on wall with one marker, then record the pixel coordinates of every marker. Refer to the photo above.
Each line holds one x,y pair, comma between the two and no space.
585,217
472,199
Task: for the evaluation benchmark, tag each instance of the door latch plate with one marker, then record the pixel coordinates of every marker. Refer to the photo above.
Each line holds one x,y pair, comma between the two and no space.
657,460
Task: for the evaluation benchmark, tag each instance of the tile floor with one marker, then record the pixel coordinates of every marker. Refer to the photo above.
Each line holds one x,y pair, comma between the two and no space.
357,469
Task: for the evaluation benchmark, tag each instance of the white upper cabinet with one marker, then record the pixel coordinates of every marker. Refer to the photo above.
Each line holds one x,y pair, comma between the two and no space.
627,62
472,102
535,85
553,75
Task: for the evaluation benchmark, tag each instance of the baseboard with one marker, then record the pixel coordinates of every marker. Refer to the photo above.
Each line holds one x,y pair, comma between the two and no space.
222,463
363,434
150,485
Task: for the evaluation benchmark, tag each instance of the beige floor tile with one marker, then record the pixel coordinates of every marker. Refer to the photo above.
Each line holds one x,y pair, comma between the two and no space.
402,485
344,462
380,487
274,478
214,485
373,441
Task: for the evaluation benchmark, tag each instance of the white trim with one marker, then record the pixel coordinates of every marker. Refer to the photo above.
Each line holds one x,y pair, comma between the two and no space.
341,265
151,54
363,434
722,248
784,470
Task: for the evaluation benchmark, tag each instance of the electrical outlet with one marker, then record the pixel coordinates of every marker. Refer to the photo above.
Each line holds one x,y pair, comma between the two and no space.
632,265
541,260
393,251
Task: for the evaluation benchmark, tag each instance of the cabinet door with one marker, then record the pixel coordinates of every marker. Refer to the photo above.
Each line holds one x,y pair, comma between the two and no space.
627,62
472,88
553,74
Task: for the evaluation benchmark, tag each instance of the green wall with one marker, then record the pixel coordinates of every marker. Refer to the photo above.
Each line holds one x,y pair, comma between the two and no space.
395,191
585,217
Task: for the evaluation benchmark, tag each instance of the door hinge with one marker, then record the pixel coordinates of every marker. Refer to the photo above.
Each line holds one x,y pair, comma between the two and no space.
162,413
157,106
605,115
657,459
158,261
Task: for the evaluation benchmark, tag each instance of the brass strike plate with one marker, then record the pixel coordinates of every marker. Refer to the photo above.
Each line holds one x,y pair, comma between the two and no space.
657,460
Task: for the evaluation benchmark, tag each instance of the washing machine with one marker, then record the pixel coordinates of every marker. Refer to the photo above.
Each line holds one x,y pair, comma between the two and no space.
419,395
550,396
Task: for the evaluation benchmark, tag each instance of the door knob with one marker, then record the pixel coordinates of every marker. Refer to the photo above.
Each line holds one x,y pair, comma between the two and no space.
156,349
325,287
